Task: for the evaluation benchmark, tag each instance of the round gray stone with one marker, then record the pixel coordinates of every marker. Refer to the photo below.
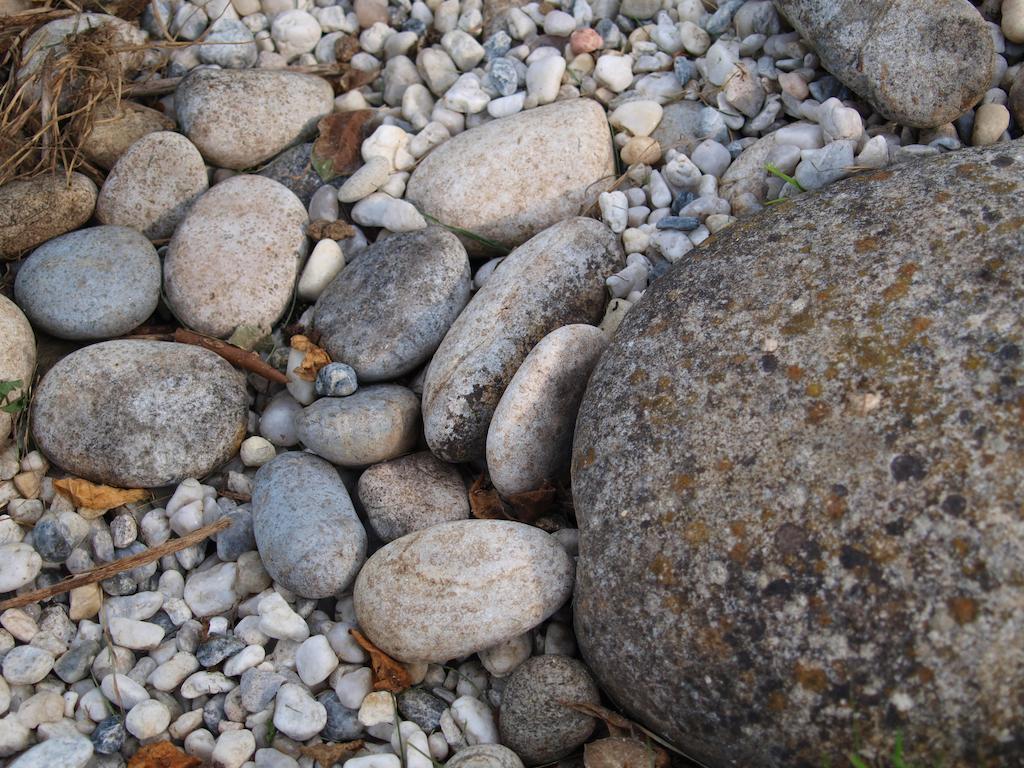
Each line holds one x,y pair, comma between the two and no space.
307,531
534,721
388,311
91,284
140,414
797,478
411,493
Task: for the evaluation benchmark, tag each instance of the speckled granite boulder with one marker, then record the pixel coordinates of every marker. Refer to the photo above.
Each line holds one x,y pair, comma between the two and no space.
17,356
34,210
797,472
900,54
140,414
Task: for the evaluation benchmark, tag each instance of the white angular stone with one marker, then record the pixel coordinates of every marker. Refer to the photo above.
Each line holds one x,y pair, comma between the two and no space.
381,210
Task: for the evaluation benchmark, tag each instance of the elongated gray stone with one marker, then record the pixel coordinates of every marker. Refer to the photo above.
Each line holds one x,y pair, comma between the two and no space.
921,64
307,532
554,279
797,476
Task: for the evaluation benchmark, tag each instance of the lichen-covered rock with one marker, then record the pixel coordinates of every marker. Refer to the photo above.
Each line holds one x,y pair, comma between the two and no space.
17,357
554,279
798,479
920,64
511,178
35,210
140,414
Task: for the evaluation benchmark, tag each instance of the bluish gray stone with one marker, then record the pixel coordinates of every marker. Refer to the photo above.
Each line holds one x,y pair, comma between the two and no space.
259,688
422,708
52,539
336,380
217,648
342,723
238,537
108,736
73,665
503,76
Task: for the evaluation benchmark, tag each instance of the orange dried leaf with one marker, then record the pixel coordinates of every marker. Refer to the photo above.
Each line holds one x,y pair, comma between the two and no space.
530,505
162,754
617,724
336,151
329,754
98,497
388,674
315,358
484,501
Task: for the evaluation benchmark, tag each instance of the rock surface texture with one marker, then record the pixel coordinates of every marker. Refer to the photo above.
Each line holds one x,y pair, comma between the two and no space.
797,475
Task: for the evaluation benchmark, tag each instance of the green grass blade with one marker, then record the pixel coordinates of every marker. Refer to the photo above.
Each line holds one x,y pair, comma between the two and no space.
776,171
494,245
857,762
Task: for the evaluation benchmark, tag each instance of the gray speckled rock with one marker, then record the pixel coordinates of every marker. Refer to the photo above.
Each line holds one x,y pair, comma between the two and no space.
153,184
815,426
422,708
552,280
681,127
485,756
457,588
33,211
235,257
385,314
411,493
94,283
511,178
307,532
530,437
898,53
17,355
534,722
240,118
67,752
140,414
375,424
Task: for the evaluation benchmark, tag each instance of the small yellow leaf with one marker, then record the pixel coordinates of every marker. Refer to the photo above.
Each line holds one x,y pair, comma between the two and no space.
315,359
98,497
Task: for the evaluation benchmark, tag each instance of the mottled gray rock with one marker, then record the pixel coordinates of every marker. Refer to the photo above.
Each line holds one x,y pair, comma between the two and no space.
809,427
294,169
511,178
387,312
235,257
457,588
65,751
554,279
307,532
422,708
411,493
485,756
685,124
342,723
153,184
94,283
140,414
17,356
530,437
534,721
921,64
33,211
375,424
240,118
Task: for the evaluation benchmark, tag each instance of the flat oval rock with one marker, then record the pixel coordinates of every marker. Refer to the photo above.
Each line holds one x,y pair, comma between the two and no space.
235,257
118,125
93,283
241,118
375,424
509,179
35,210
140,414
17,356
554,279
307,532
387,312
798,480
153,184
457,588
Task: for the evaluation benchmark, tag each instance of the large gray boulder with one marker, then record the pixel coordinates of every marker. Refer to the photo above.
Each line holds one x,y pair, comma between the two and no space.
920,64
797,472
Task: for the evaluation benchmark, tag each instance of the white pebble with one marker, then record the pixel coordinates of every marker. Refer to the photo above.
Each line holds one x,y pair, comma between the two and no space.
324,264
122,690
257,451
381,210
475,719
389,142
614,210
543,79
639,117
614,72
278,620
315,660
295,32
148,719
233,749
296,714
137,635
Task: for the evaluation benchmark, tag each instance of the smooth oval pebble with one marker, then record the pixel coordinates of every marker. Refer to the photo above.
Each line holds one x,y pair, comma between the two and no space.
530,437
387,312
238,119
17,356
118,125
375,424
66,752
555,279
153,184
36,210
307,532
235,257
140,414
19,564
94,283
457,588
471,181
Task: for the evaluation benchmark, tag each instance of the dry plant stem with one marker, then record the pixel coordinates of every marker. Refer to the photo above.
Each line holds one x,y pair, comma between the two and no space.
161,86
119,566
243,358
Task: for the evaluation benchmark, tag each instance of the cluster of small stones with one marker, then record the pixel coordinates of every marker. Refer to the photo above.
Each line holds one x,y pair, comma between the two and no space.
230,648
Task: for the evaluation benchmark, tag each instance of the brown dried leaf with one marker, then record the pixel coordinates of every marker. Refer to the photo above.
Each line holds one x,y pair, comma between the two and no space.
357,78
322,229
98,497
619,752
162,754
345,47
336,149
617,724
484,501
315,358
388,674
527,507
329,754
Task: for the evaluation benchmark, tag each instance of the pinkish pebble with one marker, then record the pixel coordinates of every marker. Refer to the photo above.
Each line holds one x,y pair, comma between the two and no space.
584,41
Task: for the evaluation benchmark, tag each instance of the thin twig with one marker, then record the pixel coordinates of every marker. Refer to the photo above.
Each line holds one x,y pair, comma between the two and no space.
243,358
119,566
